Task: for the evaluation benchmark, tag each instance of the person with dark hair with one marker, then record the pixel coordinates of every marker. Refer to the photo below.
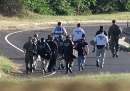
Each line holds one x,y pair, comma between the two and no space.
83,50
28,50
78,33
101,41
59,30
54,50
68,53
114,34
98,32
60,61
44,49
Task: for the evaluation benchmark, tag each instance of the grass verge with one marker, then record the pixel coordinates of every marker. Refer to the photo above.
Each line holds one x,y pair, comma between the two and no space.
30,19
102,82
6,66
88,82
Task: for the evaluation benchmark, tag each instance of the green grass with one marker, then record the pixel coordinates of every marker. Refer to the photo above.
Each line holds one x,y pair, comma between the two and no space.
102,82
6,66
30,19
35,17
86,82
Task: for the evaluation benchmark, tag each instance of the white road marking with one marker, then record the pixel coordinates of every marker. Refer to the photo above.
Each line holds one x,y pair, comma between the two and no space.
10,34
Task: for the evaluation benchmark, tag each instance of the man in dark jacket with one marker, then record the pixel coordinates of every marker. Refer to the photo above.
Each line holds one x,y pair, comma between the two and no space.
114,34
54,50
28,49
68,53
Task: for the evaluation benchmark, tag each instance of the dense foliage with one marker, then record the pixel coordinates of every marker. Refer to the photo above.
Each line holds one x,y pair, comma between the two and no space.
64,7
10,7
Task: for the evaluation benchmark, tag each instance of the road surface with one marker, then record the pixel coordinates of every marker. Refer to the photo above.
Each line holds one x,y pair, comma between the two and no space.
119,65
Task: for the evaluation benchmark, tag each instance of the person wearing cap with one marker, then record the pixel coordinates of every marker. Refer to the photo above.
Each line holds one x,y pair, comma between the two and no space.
83,50
78,33
101,41
114,34
68,53
28,50
59,30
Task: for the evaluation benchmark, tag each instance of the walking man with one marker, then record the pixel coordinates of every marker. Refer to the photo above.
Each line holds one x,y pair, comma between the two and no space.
68,53
101,41
98,32
114,34
78,33
59,31
82,48
54,51
28,50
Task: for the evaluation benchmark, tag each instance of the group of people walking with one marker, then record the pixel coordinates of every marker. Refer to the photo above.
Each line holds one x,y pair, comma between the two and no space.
59,44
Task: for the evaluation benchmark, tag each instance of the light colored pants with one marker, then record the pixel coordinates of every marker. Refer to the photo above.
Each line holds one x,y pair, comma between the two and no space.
81,61
100,56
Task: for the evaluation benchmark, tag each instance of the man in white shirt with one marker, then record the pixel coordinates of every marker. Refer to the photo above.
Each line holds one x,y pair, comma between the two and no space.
59,31
78,33
101,41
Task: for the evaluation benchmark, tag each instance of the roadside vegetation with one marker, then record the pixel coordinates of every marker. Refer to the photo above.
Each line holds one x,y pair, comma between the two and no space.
6,67
29,19
102,82
63,7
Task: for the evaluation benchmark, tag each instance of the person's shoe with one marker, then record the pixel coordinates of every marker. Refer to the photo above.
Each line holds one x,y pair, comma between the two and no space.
97,63
59,68
70,70
102,66
93,50
82,67
113,55
49,71
44,72
62,66
66,72
117,55
27,72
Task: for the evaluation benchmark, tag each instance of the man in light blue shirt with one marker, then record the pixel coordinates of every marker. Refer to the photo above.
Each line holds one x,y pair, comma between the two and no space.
101,41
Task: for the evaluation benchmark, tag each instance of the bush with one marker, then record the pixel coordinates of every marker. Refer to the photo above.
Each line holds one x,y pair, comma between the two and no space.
61,7
128,6
5,65
38,6
10,7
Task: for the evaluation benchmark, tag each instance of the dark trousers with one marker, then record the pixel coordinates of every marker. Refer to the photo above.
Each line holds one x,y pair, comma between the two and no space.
68,62
52,63
29,63
114,45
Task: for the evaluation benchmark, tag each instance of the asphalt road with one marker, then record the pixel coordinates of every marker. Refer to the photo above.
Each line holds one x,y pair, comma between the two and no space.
119,65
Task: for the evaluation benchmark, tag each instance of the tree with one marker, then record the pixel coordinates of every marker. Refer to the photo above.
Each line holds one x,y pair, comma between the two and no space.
81,6
121,5
10,7
61,7
38,6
